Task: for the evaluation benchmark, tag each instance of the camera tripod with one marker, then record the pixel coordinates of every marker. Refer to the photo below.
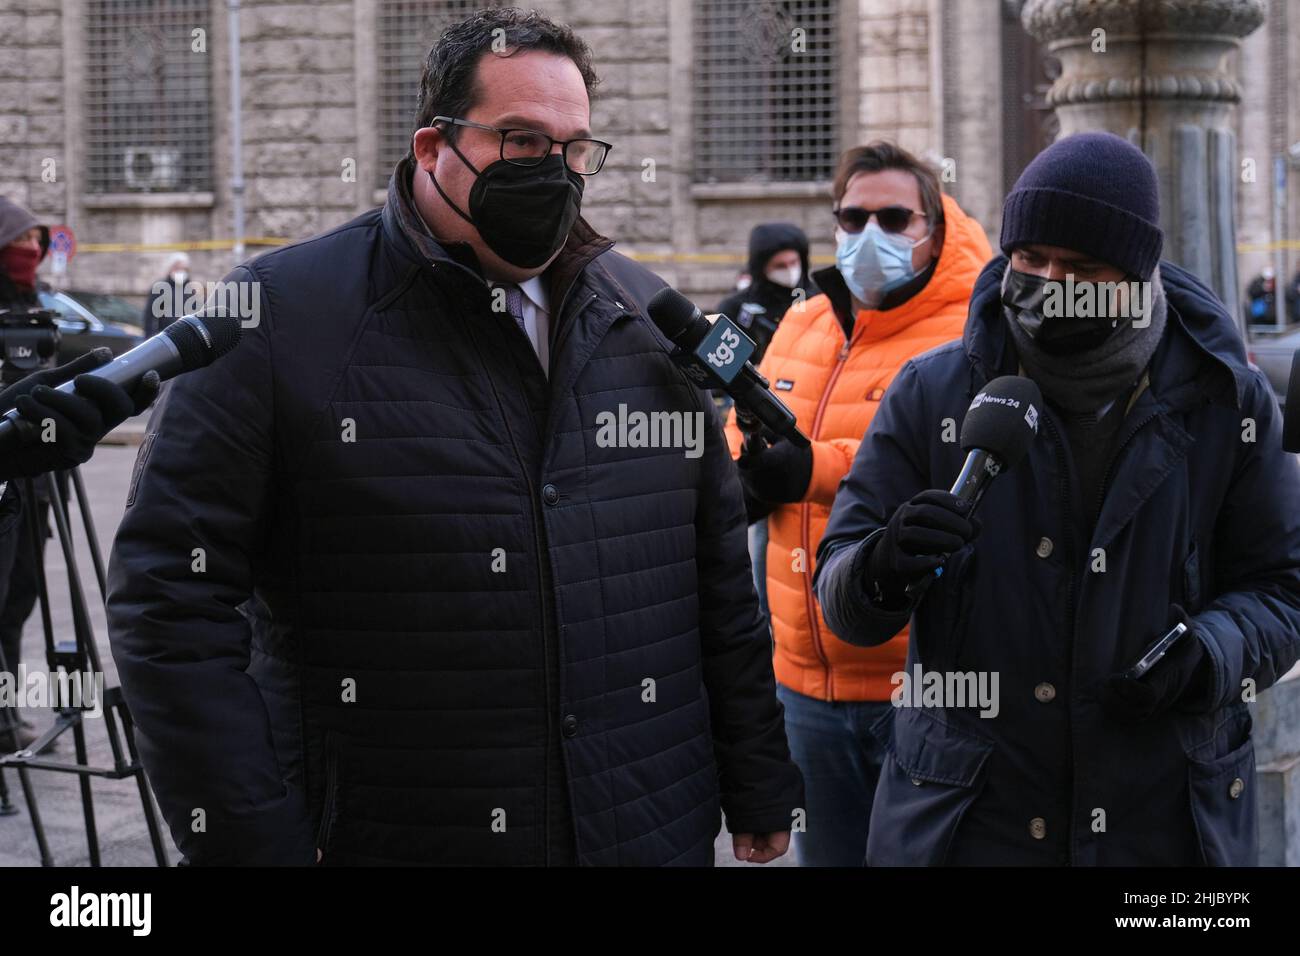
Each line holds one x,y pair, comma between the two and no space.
78,658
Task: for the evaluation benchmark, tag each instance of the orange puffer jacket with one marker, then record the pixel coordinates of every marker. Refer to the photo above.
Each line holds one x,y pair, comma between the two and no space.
834,386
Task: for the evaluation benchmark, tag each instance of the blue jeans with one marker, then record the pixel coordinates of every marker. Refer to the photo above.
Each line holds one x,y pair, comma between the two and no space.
841,760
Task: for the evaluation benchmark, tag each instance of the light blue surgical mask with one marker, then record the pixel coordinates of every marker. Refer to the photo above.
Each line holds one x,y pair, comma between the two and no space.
874,262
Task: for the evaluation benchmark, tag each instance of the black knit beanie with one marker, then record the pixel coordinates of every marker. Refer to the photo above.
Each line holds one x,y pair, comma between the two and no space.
1093,193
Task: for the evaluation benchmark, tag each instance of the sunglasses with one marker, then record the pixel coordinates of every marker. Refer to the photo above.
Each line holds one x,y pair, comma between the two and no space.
892,219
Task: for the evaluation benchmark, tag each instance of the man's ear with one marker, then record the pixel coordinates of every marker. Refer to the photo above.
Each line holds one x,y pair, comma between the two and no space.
426,143
939,232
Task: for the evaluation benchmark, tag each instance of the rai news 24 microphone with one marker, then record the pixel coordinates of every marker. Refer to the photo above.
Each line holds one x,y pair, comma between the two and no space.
715,354
190,342
1000,426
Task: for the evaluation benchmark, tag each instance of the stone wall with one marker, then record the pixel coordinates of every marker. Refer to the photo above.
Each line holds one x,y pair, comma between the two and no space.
923,72
32,138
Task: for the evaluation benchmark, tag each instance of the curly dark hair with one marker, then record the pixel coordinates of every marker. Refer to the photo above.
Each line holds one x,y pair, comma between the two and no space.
448,84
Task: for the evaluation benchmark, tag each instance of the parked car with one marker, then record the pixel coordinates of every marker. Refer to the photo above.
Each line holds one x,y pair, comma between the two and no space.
88,320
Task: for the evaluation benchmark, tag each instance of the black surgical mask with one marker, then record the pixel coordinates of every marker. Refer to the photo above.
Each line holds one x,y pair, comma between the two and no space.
523,213
1024,294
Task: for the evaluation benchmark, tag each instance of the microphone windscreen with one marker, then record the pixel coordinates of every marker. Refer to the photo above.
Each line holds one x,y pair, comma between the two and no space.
1291,411
1003,419
672,312
202,339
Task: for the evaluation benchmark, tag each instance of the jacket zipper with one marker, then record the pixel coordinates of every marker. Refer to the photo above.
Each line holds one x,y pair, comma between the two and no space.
805,523
1110,466
331,792
1074,622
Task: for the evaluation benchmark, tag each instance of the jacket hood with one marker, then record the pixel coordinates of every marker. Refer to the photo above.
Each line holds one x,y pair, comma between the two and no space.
1202,347
965,251
768,238
15,220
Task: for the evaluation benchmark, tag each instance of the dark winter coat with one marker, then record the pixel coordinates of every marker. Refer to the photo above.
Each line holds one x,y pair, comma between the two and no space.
1201,508
402,521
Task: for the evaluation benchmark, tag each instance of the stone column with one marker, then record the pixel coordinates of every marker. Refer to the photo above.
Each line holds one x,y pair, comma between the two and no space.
1161,73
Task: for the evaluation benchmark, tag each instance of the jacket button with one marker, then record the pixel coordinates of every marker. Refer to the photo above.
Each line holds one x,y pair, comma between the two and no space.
550,494
1236,788
1044,548
1038,828
917,781
570,725
1045,693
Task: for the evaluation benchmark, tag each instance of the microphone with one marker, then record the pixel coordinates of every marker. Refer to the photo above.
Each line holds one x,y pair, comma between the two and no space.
1000,426
1291,408
192,341
716,355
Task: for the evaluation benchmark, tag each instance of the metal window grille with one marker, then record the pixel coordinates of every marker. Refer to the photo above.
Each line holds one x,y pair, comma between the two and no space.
405,32
148,96
765,110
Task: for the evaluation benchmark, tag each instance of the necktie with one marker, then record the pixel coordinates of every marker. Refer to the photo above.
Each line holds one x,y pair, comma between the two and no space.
515,304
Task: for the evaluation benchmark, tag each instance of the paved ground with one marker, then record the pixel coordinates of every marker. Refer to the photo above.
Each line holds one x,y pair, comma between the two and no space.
123,837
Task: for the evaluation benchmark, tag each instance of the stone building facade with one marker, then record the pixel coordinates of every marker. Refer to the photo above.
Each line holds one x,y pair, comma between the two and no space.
697,95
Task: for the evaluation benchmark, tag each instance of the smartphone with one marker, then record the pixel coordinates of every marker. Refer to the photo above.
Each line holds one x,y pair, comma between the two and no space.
1155,652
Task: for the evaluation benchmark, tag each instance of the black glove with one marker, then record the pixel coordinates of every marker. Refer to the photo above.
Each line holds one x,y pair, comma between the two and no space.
918,538
776,473
80,418
1181,679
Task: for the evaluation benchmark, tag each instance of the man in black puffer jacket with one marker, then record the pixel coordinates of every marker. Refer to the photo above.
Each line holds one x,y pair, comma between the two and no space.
390,589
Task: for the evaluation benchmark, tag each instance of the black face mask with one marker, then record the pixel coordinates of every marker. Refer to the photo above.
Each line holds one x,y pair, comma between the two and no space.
1024,295
523,213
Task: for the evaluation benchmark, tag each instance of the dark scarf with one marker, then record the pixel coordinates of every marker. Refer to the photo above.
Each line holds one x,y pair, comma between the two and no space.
1086,381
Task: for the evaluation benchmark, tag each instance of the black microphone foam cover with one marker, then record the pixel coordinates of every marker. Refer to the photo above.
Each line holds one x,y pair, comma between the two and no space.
672,312
202,339
1291,411
1003,419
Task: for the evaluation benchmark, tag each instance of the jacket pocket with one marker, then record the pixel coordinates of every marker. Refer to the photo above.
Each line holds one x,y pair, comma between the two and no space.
931,776
1222,793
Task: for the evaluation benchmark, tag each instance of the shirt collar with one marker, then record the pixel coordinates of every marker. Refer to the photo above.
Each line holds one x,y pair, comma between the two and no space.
534,291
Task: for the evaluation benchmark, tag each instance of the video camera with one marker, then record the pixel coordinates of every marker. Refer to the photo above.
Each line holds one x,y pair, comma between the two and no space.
29,342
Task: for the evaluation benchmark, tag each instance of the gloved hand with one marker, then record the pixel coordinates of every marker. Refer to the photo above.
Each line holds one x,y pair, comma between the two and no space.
80,418
917,539
775,473
1181,679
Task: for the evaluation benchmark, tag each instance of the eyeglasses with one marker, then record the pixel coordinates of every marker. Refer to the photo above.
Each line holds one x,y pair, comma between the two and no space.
527,147
892,219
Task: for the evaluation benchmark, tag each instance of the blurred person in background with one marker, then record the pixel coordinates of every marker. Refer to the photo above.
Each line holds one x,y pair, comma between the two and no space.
79,418
778,274
776,279
1261,293
906,262
168,296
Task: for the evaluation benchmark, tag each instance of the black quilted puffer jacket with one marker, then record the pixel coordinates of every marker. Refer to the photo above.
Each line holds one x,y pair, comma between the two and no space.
353,546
